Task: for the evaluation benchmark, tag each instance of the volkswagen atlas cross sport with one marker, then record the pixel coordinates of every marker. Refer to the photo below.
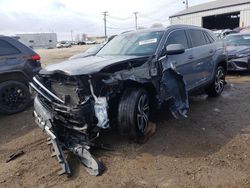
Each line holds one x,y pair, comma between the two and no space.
120,87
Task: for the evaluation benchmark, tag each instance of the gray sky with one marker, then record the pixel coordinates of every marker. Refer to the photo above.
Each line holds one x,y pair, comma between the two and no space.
84,16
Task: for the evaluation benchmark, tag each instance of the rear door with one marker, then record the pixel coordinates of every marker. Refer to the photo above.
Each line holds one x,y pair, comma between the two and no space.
182,62
9,55
202,56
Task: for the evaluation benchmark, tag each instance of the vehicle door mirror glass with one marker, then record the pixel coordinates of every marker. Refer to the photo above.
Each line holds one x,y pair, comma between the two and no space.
174,49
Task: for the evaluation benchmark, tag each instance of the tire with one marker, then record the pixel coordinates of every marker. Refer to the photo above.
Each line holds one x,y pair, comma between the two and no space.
217,86
133,113
14,97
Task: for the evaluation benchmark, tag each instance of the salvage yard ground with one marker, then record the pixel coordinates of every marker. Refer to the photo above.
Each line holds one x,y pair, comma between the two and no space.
211,148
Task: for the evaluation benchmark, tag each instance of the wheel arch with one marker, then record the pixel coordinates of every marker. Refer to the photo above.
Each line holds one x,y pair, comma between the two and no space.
16,76
148,86
223,63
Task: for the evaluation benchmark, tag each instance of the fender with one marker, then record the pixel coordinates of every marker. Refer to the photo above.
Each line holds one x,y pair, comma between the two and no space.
221,59
17,75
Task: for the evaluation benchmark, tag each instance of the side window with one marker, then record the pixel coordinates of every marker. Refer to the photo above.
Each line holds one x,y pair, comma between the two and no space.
7,49
197,37
210,37
206,37
178,37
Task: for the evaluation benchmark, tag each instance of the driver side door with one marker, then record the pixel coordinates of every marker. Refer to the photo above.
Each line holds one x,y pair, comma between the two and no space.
182,63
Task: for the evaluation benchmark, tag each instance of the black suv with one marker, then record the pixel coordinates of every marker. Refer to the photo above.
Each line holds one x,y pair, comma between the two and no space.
18,64
131,76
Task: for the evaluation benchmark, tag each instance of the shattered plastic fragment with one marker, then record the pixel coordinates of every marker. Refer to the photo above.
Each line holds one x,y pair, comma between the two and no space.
101,113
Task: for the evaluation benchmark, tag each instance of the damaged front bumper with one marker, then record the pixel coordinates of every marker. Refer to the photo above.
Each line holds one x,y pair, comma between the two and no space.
44,119
239,64
68,135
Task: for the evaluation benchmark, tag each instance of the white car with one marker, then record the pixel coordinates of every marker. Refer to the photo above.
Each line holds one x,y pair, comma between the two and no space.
63,44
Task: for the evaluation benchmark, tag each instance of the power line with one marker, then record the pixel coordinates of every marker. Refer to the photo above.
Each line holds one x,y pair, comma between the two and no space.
121,28
153,19
158,11
119,18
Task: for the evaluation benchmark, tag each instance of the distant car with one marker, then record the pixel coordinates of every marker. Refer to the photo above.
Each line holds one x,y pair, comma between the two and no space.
91,51
63,44
18,64
238,48
87,42
223,33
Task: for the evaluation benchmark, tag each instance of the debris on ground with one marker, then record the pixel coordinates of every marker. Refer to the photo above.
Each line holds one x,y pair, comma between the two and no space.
14,156
217,110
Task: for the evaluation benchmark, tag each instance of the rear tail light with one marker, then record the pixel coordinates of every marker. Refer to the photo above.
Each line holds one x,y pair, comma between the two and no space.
35,57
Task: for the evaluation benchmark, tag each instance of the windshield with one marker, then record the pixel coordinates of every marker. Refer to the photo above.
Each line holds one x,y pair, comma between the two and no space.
238,40
143,43
94,49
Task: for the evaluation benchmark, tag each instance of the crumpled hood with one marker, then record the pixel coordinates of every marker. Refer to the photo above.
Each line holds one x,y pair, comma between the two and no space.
236,50
84,66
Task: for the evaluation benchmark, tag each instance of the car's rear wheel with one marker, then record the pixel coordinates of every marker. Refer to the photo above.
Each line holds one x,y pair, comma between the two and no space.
14,97
217,86
133,113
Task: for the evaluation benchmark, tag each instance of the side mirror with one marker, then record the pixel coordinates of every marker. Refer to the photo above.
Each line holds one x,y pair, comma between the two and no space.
174,49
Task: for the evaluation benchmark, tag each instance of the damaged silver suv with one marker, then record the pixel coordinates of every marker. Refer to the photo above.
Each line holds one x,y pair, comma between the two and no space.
129,78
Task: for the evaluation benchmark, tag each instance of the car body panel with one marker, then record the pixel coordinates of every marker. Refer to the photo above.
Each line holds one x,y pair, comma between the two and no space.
19,63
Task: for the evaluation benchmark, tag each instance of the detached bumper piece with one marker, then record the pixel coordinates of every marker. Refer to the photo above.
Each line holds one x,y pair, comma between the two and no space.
58,152
93,165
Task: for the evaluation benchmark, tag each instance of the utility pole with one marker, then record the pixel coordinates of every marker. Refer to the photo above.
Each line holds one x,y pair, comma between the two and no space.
136,27
186,3
71,32
105,13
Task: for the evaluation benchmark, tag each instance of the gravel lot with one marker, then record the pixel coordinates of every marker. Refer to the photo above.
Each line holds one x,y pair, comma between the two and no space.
211,148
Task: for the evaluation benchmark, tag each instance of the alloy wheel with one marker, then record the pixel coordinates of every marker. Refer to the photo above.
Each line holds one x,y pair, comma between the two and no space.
219,81
143,113
13,97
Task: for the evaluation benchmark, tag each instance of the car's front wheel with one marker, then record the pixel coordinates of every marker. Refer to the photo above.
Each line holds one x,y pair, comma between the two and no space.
217,86
14,97
133,113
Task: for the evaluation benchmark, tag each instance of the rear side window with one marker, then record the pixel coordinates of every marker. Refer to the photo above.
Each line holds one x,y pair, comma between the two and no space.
7,49
178,37
197,37
210,37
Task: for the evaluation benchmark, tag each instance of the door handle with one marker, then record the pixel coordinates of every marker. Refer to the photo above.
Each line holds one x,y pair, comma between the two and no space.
191,57
211,51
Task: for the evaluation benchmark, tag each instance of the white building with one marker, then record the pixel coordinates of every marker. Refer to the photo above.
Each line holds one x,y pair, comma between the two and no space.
38,40
220,14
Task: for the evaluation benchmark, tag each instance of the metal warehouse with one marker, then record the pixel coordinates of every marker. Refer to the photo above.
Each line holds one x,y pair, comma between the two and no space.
38,40
220,14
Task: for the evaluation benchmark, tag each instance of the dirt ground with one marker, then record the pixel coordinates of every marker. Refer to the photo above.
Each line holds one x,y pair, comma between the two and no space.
49,56
211,148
